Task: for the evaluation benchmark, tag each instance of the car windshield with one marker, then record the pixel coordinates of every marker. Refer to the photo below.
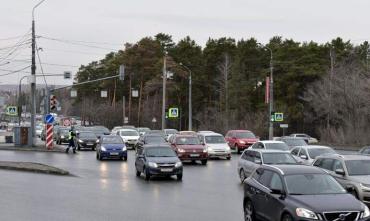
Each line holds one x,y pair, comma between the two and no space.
187,141
278,158
245,135
312,184
129,133
100,130
215,139
315,152
87,135
295,142
112,140
170,131
160,152
155,139
358,167
277,146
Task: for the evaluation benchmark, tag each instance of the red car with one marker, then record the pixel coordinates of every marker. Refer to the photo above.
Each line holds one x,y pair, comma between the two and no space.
189,148
240,140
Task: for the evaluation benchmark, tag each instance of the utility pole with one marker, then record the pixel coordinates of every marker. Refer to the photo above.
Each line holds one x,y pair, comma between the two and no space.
164,91
33,77
190,101
271,103
332,55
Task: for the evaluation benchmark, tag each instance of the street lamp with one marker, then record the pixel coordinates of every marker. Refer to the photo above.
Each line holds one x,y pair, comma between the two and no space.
164,76
190,102
271,95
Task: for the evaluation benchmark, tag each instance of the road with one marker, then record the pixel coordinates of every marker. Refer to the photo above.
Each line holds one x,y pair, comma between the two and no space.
109,190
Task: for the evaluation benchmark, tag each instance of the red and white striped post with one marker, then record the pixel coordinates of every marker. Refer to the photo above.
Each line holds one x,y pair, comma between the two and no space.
49,136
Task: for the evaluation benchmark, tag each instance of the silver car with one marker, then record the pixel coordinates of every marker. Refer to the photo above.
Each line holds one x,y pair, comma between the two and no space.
307,154
252,159
351,171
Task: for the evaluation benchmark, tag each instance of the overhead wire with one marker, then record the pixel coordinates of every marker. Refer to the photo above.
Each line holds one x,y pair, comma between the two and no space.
13,72
42,70
16,46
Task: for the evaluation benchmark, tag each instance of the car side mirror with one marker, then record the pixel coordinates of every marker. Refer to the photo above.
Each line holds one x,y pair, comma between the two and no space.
303,157
279,192
340,172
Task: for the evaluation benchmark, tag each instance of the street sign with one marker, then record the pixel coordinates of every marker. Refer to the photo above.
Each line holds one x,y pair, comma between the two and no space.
284,125
173,112
279,117
49,119
12,110
73,93
103,94
135,93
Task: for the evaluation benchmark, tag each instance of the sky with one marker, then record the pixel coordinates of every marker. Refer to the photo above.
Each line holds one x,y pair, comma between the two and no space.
75,32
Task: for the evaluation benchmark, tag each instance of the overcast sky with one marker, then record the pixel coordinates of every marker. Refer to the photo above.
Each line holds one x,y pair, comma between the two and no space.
113,22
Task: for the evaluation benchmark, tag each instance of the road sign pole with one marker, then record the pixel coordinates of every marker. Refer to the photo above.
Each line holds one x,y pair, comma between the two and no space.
49,136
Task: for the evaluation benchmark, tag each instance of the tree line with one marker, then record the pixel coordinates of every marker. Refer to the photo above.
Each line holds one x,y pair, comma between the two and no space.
322,89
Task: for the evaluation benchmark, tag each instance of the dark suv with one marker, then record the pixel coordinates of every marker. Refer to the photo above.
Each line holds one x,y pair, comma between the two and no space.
298,192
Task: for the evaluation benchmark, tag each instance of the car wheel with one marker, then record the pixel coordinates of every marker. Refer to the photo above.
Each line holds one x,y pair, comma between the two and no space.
179,176
147,174
125,158
204,162
248,211
228,158
242,175
287,217
93,148
138,173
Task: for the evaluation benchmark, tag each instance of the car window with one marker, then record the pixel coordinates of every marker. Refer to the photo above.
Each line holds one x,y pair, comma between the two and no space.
276,182
265,178
244,155
318,163
366,151
256,175
250,156
327,164
303,153
257,156
295,151
255,145
337,165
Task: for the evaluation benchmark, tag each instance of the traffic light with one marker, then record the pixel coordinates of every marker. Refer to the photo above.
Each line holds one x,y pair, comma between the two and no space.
53,102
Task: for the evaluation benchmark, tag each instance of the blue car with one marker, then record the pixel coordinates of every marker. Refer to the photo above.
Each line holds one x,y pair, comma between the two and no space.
111,147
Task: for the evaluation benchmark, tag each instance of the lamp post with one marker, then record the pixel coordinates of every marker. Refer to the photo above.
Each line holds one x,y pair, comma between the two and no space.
164,76
271,95
190,101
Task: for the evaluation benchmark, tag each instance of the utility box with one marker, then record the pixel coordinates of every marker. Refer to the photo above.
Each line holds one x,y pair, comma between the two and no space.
22,136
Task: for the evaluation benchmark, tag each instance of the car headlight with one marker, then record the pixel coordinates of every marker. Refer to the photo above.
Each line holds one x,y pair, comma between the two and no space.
80,141
97,141
152,164
365,186
227,148
205,150
305,213
103,148
366,212
62,137
181,150
124,148
242,142
209,148
178,164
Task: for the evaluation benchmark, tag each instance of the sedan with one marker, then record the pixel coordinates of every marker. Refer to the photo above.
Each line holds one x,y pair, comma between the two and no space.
111,146
158,160
189,148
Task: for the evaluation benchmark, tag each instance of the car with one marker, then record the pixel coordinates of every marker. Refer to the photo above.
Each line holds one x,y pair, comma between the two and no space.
158,160
293,141
240,140
86,139
169,132
150,139
270,145
349,171
298,193
115,130
365,150
307,138
129,136
216,145
111,146
252,159
128,127
187,132
62,135
142,130
307,154
189,148
99,130
39,130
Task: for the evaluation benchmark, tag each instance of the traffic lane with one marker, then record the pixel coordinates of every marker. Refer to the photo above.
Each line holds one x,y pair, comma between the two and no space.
109,190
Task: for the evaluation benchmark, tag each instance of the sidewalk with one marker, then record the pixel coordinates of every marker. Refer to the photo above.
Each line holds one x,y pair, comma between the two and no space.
39,147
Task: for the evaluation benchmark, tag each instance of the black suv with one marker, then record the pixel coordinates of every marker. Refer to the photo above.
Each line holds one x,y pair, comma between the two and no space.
298,192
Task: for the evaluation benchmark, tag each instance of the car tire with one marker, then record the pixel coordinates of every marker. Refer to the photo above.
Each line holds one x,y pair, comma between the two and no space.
242,175
138,173
249,211
287,217
179,177
228,158
204,162
147,174
125,158
93,149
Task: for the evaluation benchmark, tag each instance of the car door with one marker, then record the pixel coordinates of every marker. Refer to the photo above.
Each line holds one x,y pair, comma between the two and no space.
139,161
337,164
262,194
274,203
248,163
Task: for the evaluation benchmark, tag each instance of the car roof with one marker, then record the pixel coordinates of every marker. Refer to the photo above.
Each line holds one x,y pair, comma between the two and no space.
271,141
346,157
291,138
104,136
211,134
316,147
294,169
156,145
185,135
127,129
268,151
239,131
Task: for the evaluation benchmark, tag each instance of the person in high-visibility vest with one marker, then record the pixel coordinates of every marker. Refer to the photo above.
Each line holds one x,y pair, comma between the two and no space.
71,142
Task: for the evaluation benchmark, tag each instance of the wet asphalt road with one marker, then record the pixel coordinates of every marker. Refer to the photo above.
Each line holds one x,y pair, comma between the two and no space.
109,190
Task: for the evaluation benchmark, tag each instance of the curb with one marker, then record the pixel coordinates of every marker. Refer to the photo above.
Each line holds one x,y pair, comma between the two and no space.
32,149
32,167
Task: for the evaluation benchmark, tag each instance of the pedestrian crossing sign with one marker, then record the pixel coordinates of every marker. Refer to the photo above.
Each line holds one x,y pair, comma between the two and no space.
12,110
173,112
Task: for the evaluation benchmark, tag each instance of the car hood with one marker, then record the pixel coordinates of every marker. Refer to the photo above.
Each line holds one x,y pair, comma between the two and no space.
88,139
328,202
163,159
196,147
218,146
361,179
248,140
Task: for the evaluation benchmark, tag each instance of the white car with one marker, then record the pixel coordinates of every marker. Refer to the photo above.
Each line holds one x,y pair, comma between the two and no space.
129,136
270,145
307,154
307,138
216,145
115,129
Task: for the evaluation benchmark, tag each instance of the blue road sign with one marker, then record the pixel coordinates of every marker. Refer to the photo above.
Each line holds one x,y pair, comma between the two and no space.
49,119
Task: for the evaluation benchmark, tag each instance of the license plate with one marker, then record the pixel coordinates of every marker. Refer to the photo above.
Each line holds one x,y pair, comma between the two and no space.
194,155
113,154
166,170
